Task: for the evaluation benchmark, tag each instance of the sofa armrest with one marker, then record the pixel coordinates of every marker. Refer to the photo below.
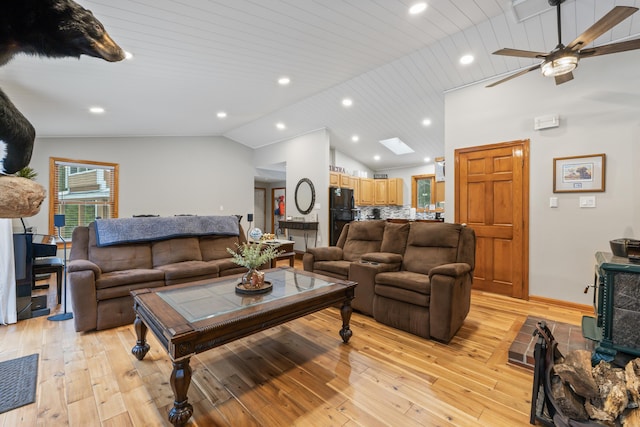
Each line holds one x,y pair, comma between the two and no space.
382,258
84,302
82,265
454,270
450,299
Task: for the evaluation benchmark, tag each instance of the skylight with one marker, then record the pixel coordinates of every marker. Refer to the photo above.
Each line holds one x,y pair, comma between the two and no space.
397,146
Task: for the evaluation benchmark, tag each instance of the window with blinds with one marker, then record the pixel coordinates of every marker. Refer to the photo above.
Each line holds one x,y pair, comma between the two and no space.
83,191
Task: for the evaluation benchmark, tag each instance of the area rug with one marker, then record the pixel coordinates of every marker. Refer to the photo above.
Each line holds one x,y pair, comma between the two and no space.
18,379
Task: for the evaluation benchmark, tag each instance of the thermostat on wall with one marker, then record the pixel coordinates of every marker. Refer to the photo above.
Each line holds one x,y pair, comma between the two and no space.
545,122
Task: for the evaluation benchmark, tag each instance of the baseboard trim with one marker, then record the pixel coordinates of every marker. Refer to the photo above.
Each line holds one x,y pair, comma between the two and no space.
561,303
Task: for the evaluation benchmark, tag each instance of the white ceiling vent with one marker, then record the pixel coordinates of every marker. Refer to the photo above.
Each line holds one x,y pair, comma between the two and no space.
397,146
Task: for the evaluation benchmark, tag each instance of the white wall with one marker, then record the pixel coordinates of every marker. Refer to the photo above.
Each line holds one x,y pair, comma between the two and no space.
599,113
306,156
350,164
161,175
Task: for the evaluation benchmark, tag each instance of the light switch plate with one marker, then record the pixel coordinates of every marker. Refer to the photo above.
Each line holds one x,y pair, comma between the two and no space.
587,201
553,202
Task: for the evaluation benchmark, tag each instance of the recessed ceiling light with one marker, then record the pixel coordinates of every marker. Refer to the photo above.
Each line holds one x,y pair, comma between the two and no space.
96,110
347,102
221,114
417,8
466,59
376,157
355,138
426,122
427,159
397,146
280,126
128,55
283,81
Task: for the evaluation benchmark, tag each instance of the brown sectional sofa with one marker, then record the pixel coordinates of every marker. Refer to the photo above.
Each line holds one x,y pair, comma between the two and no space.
415,276
100,278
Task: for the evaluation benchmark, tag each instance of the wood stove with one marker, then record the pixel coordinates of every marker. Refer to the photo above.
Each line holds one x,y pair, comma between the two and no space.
616,300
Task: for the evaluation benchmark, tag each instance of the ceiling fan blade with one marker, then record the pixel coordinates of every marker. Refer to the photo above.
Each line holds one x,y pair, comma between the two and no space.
564,78
610,48
607,22
514,75
520,53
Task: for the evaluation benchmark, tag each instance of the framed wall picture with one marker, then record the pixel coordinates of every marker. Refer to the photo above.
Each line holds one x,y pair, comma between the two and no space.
579,174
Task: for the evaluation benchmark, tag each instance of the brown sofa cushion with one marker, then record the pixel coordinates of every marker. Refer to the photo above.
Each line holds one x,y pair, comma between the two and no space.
215,247
394,238
188,269
120,257
363,237
429,245
414,282
336,267
125,291
128,277
175,250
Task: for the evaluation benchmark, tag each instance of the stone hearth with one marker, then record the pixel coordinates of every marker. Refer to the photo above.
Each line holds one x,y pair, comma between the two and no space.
569,338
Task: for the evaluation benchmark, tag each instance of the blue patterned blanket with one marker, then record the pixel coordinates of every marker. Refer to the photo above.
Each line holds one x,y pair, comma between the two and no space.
130,230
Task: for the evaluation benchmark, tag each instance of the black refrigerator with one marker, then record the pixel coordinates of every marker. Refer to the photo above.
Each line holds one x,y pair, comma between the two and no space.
341,205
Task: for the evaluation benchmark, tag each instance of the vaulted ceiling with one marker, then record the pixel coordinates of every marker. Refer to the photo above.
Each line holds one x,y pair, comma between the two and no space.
195,58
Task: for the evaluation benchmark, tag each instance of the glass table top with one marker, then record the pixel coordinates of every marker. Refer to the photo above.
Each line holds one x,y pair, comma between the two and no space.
204,301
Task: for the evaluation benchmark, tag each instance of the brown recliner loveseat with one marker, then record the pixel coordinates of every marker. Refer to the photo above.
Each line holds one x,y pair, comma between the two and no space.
418,277
100,278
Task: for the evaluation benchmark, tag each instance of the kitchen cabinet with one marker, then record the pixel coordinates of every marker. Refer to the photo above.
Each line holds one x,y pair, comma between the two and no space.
354,183
380,192
366,192
342,180
395,195
438,195
334,179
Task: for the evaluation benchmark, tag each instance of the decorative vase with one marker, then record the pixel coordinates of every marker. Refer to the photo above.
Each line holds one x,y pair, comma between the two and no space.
253,279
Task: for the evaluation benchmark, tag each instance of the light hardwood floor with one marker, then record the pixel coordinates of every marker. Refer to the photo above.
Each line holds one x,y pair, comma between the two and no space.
299,373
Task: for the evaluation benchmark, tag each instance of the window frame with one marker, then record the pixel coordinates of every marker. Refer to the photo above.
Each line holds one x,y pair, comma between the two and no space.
53,185
414,189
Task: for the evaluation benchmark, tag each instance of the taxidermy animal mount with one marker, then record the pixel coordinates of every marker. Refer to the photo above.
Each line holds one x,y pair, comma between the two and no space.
52,28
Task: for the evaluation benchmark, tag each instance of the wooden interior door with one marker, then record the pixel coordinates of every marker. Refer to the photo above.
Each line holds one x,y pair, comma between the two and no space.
492,197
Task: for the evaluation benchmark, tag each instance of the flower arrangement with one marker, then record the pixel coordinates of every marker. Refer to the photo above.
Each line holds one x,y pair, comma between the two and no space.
253,255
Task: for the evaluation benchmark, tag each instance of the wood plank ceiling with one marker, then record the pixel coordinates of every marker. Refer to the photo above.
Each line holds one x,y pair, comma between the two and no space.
195,58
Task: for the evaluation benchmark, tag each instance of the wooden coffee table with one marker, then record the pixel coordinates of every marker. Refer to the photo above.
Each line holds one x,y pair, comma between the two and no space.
194,317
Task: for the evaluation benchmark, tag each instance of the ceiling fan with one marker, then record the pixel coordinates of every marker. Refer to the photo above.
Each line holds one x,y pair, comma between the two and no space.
561,61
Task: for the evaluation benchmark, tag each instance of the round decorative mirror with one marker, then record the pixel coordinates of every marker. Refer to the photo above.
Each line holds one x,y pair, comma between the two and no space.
305,196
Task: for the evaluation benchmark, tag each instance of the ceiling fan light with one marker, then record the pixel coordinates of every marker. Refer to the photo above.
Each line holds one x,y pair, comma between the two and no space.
559,66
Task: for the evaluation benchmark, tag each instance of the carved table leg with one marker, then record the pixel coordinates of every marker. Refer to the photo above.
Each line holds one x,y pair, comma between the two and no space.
345,312
180,380
141,348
